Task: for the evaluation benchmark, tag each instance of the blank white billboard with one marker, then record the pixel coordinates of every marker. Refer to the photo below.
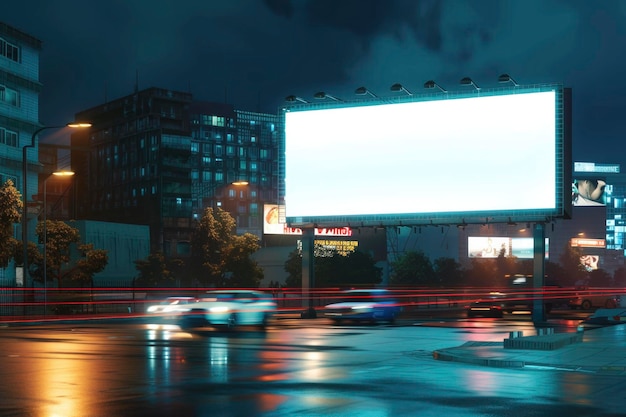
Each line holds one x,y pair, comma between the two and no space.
408,162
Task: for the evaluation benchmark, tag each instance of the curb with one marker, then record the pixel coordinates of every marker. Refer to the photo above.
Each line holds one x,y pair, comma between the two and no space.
442,355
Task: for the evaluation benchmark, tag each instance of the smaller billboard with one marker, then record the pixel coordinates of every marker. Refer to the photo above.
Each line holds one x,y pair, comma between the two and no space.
590,262
491,247
488,247
588,192
588,243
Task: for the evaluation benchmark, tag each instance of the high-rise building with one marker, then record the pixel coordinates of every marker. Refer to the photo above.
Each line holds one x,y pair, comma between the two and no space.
233,162
158,158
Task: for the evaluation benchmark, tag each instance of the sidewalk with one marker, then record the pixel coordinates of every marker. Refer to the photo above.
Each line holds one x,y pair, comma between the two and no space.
602,349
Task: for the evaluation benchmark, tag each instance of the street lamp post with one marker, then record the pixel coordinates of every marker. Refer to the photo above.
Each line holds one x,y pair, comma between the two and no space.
25,277
45,233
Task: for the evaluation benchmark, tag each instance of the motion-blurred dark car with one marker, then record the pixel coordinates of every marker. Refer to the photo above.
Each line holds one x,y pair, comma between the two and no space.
492,306
372,305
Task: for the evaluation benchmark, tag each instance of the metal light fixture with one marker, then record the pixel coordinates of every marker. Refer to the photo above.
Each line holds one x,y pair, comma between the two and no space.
430,84
74,125
506,78
469,81
322,95
399,87
361,91
293,98
45,232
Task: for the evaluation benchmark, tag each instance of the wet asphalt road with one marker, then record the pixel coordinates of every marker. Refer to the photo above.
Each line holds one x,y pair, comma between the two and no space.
295,367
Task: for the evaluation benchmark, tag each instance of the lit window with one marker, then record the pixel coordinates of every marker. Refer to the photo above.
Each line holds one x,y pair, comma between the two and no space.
9,50
8,137
9,96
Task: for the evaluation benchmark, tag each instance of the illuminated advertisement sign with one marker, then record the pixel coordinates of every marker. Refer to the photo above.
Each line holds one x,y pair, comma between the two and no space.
491,247
425,160
593,167
590,262
272,225
488,247
588,243
342,247
589,192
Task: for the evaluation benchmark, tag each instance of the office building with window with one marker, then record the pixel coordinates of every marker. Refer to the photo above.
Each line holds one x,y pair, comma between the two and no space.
158,158
19,115
233,162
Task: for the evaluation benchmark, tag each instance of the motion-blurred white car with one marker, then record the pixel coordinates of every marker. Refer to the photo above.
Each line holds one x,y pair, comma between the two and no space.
228,308
170,306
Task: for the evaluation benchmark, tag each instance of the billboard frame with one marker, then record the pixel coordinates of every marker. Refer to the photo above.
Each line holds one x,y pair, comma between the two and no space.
563,166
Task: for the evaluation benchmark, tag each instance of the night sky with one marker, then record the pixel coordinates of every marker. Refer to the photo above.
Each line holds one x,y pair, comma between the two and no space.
254,53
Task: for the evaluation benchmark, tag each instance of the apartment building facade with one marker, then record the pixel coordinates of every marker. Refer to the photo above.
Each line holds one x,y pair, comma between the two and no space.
19,118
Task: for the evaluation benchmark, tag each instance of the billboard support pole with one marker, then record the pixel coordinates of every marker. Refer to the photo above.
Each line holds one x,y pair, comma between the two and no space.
308,272
539,252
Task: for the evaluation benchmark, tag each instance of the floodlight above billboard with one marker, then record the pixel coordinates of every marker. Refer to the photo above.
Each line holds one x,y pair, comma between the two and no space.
453,158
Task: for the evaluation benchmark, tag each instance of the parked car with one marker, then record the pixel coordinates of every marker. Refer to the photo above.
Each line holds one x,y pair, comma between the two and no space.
586,299
228,308
170,306
364,305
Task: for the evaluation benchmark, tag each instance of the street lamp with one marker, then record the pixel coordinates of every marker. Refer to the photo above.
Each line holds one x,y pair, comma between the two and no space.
75,125
399,87
469,81
61,174
430,84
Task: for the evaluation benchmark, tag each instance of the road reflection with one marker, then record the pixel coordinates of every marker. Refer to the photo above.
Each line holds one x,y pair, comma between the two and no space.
308,368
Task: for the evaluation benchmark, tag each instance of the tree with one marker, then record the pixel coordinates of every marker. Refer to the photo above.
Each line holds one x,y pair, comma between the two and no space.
334,269
293,268
219,256
358,268
245,272
60,238
153,271
575,273
447,272
619,277
353,269
90,263
555,273
506,265
600,278
10,213
483,273
412,268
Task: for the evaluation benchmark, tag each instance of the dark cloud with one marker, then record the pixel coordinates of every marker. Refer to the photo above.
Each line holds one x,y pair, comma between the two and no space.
280,7
254,53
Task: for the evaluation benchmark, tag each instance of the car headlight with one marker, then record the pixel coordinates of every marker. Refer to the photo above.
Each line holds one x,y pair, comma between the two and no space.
218,309
152,309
